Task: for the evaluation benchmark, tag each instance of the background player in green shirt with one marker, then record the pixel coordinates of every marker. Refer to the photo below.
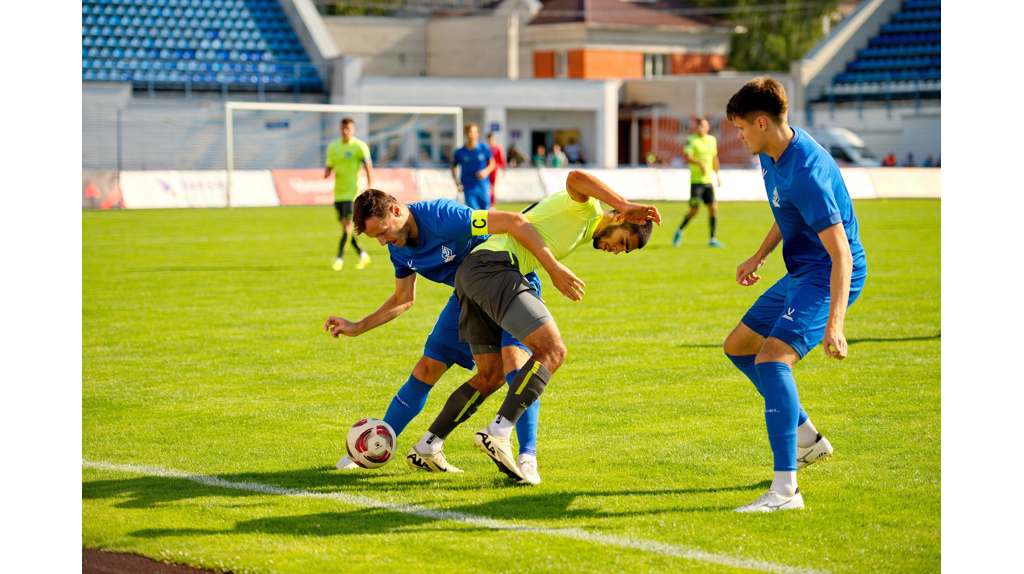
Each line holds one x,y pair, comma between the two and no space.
344,156
494,295
701,153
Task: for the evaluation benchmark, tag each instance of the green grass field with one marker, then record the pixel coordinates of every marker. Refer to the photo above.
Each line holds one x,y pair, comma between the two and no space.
204,353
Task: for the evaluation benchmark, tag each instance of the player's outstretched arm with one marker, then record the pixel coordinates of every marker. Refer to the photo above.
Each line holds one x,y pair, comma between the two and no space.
520,228
838,246
745,272
400,302
582,185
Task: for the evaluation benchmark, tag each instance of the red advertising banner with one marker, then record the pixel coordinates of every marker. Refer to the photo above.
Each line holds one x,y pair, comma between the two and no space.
310,187
101,190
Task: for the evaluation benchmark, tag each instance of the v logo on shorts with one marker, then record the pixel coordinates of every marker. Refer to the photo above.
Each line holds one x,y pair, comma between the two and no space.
788,314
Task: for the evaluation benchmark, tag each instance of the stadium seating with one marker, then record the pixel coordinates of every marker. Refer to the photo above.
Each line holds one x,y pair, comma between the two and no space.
903,61
198,44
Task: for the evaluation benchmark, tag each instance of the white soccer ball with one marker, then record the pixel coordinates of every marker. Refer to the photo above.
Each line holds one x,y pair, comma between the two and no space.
371,443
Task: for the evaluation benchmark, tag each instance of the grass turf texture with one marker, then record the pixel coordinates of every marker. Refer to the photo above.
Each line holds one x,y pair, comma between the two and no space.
204,351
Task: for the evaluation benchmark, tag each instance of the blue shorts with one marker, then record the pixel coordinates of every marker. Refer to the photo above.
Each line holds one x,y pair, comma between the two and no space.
796,311
443,343
477,197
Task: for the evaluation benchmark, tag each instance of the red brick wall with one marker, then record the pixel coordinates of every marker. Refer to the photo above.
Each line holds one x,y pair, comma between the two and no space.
697,63
543,64
599,65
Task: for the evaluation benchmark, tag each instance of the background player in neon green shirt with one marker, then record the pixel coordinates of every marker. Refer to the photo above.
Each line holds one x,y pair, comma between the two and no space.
494,295
701,153
344,156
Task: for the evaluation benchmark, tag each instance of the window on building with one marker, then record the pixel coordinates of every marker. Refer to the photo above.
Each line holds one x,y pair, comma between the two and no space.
657,65
561,65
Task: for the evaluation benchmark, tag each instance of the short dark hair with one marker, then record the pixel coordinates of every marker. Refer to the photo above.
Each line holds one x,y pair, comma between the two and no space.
642,231
370,203
466,128
348,121
760,96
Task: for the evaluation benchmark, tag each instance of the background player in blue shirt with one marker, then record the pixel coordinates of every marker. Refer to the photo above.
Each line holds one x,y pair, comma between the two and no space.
477,162
825,267
431,239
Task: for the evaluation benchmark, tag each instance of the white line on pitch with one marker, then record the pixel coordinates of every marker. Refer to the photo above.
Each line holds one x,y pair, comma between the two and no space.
479,521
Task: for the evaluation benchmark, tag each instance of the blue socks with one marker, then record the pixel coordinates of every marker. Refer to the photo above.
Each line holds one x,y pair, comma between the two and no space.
408,402
745,363
526,426
781,411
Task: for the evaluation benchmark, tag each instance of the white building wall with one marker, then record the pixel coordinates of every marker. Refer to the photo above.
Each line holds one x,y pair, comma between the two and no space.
473,47
387,46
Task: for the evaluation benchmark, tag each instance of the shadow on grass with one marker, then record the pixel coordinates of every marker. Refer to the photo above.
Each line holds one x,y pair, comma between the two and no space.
517,503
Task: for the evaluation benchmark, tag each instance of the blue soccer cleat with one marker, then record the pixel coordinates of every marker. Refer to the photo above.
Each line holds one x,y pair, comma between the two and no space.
678,238
716,243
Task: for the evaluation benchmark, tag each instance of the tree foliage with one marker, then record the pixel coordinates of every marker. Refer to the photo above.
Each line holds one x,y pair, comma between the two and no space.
776,31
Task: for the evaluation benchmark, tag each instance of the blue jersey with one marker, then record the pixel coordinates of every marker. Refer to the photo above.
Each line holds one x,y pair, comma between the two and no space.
472,161
808,195
445,239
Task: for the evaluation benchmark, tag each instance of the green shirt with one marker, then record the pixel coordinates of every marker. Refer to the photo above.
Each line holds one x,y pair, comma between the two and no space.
346,158
703,149
561,221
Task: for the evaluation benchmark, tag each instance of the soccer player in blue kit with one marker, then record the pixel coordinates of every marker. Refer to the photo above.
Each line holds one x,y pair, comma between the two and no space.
826,270
431,238
477,162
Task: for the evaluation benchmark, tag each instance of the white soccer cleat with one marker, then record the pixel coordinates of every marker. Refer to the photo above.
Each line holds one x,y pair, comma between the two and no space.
346,463
820,450
500,450
338,264
772,501
528,466
429,462
364,260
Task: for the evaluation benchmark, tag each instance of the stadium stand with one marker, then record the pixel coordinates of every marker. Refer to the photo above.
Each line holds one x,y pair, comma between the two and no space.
194,45
904,60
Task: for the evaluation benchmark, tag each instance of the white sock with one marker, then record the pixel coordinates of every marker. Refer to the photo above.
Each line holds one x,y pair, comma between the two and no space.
784,482
501,427
429,444
806,434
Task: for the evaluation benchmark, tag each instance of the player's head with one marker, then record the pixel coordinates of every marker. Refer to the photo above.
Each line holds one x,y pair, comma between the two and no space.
472,132
760,105
703,126
348,128
621,235
491,137
380,216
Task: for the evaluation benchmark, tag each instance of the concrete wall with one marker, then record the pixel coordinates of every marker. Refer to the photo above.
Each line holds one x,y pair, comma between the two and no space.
387,46
693,94
901,129
473,46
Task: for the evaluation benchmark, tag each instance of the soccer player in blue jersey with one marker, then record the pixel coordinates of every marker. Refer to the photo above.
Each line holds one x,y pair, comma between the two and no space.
431,239
826,270
476,162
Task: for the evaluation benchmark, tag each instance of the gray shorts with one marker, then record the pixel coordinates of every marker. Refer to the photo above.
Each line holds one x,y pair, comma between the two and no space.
494,296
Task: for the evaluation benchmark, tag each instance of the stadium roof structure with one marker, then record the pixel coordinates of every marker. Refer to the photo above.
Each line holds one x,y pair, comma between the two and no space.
660,13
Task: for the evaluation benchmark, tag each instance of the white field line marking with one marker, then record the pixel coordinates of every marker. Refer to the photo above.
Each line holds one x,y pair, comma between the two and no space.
479,521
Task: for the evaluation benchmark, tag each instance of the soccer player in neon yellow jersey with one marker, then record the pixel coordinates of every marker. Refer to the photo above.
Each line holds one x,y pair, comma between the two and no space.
702,154
344,156
494,295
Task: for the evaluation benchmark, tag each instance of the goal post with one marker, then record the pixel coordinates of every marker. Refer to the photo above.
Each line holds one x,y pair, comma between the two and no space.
261,135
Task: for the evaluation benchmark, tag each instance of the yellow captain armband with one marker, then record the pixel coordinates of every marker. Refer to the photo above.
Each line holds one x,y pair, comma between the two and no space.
478,221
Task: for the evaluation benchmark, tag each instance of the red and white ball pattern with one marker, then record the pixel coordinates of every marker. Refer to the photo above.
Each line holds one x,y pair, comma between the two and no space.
371,443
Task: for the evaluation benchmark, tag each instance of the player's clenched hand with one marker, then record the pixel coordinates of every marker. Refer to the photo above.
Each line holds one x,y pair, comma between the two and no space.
745,272
482,174
566,282
639,213
834,343
338,326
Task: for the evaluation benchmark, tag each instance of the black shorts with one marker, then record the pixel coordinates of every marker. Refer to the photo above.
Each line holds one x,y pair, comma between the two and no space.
701,192
488,284
344,209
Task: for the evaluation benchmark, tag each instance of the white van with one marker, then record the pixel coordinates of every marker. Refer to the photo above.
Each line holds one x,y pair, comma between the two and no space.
845,146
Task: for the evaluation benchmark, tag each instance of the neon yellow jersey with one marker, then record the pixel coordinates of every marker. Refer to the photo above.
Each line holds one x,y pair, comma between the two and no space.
703,149
562,222
346,158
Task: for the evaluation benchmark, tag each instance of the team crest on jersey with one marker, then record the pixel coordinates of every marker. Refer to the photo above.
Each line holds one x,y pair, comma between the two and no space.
775,197
348,155
448,254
